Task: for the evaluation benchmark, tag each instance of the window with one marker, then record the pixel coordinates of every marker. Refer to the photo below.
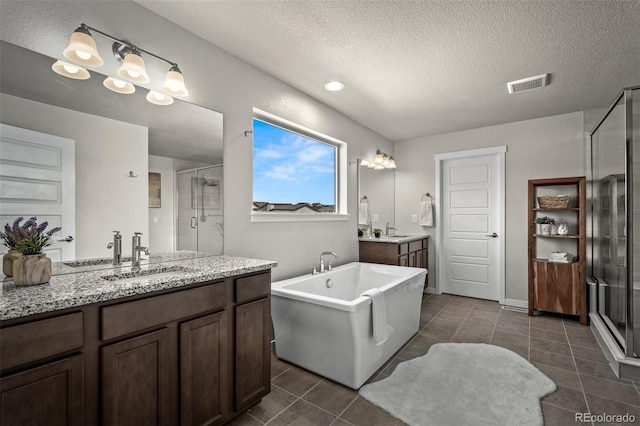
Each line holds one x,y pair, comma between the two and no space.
296,172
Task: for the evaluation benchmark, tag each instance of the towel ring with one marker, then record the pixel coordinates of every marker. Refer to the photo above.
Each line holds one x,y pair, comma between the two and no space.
364,198
425,196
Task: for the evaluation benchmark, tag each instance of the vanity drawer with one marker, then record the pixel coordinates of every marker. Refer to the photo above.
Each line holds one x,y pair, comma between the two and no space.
130,317
36,340
253,287
415,245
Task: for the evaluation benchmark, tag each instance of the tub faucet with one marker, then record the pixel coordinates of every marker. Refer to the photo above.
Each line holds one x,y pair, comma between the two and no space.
136,249
328,268
389,228
116,245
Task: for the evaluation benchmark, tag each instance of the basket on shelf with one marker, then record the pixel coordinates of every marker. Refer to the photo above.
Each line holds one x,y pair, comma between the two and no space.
554,202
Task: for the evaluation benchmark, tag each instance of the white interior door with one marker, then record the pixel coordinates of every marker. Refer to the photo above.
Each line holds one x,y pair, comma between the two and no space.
471,226
37,178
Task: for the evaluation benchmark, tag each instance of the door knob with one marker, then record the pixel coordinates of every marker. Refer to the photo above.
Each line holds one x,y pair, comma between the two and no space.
494,235
68,239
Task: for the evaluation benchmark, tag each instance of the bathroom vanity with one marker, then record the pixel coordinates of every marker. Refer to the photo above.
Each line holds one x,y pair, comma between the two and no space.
183,342
401,250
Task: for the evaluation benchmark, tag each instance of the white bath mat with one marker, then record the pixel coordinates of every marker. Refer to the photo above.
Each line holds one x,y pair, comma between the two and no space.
463,384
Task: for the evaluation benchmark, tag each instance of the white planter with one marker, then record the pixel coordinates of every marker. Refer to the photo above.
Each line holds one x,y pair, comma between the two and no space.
546,229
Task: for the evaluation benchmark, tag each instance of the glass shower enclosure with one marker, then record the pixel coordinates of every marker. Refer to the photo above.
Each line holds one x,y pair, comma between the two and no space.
614,265
200,220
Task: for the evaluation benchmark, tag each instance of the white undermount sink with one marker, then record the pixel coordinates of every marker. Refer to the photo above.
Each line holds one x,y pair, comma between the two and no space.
147,274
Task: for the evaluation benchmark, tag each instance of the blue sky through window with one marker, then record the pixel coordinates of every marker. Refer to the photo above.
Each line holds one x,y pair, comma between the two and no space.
291,168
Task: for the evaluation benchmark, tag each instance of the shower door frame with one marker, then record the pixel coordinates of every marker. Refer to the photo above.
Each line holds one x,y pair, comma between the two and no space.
627,96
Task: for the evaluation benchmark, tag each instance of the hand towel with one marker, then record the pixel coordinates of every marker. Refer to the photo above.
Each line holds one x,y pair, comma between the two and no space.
364,215
378,315
426,212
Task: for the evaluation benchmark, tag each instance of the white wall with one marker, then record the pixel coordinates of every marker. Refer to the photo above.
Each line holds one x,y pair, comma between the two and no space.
161,221
224,83
541,148
106,150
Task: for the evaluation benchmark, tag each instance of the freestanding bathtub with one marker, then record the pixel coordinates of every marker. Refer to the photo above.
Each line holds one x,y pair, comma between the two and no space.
323,324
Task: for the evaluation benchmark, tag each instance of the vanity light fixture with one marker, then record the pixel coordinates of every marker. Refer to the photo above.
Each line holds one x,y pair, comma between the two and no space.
118,86
69,70
82,49
381,161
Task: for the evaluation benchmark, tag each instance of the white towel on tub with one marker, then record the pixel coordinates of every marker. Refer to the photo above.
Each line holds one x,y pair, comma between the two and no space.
378,314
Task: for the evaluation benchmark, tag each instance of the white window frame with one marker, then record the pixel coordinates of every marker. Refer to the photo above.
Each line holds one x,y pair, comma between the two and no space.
341,213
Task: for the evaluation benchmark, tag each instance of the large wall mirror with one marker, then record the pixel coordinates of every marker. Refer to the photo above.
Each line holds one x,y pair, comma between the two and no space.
138,167
378,186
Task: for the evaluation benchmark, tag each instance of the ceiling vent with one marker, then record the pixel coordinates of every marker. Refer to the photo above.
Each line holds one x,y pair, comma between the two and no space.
527,84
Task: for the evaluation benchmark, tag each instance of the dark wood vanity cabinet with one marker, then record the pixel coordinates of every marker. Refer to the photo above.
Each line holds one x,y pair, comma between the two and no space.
190,356
47,395
413,253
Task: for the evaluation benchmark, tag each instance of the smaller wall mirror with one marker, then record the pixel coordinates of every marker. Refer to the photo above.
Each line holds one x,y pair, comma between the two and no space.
379,188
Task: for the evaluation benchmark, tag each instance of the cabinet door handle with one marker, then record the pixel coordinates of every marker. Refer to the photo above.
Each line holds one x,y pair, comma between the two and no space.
494,235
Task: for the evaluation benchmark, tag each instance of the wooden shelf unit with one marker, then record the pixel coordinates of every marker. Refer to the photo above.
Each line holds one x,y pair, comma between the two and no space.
558,286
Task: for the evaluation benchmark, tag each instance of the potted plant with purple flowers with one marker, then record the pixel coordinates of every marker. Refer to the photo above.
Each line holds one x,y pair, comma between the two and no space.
32,266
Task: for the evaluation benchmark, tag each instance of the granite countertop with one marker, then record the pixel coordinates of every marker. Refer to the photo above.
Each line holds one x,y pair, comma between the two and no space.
82,288
395,239
86,265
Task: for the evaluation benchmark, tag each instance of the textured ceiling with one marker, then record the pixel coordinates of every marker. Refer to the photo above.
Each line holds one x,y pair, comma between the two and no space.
417,68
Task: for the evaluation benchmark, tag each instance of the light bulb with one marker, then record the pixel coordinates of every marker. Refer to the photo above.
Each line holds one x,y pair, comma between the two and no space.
159,98
70,69
119,83
83,55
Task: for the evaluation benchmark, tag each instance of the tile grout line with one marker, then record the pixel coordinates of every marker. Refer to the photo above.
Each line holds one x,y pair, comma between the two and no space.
575,364
285,408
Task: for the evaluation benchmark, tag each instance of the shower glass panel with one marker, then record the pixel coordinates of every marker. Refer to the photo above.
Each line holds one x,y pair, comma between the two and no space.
200,210
608,220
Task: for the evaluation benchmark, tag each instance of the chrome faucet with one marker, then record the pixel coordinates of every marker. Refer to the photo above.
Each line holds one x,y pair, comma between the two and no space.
328,268
389,228
116,245
136,249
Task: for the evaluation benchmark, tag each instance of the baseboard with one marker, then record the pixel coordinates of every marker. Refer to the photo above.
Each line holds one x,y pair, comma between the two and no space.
430,290
516,303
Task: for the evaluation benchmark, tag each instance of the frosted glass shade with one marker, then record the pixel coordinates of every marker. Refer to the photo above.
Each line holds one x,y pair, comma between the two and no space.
82,50
174,84
71,71
159,98
118,86
133,69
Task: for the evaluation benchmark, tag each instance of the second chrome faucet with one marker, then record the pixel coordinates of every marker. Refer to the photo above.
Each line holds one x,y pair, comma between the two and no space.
136,250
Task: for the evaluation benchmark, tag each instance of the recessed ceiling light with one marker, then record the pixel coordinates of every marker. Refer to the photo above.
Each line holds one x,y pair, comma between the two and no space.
334,86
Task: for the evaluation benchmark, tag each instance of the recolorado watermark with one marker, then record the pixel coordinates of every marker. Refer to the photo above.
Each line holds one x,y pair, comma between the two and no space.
605,418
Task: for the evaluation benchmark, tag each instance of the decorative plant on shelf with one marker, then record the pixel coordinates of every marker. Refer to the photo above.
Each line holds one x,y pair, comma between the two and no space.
32,266
544,220
377,232
545,223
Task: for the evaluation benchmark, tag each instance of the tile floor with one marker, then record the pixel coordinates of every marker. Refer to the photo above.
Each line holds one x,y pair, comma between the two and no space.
560,347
